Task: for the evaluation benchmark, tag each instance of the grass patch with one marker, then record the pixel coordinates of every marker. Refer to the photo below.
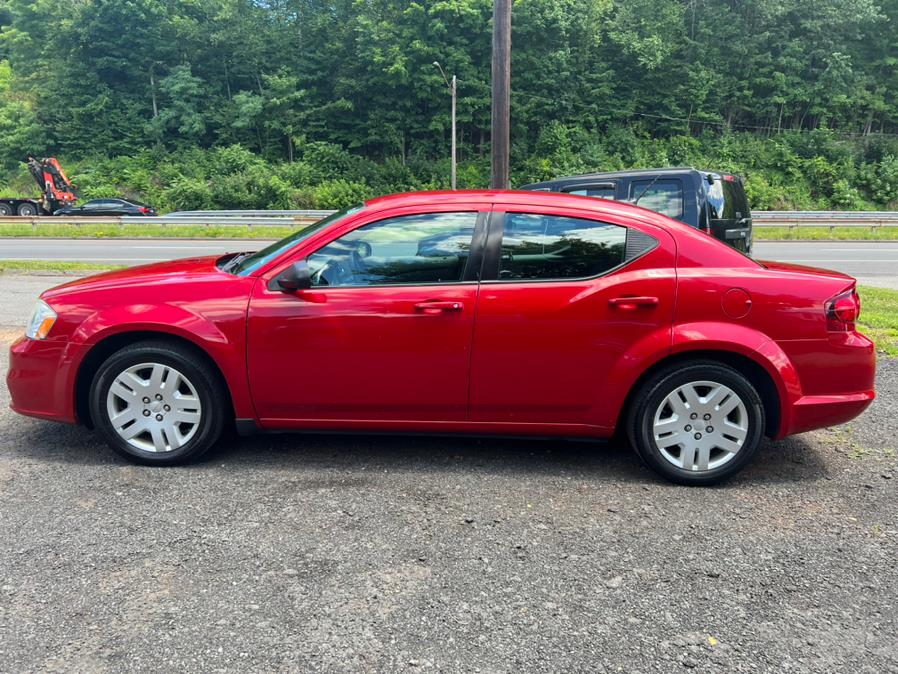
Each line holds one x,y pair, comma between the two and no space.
879,317
113,231
825,234
50,265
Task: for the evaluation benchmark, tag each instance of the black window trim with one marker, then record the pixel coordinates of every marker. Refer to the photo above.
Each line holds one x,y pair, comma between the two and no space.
493,252
470,274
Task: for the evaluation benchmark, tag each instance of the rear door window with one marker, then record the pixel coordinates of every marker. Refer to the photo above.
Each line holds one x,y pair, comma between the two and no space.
552,247
662,196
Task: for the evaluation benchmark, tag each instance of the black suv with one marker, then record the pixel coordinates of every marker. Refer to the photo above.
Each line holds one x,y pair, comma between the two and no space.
709,201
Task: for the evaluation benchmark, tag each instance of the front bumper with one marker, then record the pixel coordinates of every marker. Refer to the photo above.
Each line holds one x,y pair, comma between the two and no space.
40,379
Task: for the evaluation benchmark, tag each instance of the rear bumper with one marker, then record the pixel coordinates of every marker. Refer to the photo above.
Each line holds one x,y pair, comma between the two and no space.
837,378
39,379
810,412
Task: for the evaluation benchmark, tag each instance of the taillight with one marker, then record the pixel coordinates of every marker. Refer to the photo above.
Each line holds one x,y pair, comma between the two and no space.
842,311
144,210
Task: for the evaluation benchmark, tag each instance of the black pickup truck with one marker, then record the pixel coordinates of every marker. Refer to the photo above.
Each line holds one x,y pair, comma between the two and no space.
707,200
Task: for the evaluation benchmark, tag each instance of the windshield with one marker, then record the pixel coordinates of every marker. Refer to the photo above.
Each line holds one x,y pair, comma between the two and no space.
247,265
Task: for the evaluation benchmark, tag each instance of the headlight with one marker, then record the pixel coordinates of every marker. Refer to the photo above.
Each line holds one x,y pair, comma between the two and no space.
41,321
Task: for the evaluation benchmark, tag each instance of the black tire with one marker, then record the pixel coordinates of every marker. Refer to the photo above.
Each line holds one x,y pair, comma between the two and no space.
652,394
5,210
27,210
201,376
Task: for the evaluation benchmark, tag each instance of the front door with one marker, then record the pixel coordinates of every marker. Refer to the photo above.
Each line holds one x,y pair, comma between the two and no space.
566,302
383,335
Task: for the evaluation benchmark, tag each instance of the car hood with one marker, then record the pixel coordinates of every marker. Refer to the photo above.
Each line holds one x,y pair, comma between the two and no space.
174,271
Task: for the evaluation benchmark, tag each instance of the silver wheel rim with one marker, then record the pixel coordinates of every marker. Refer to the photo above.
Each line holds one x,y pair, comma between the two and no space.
153,407
700,426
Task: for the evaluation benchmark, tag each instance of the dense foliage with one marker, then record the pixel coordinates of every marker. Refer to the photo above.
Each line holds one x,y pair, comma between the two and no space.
245,103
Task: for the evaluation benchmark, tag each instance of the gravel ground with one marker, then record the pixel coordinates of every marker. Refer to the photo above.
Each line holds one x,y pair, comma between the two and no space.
302,553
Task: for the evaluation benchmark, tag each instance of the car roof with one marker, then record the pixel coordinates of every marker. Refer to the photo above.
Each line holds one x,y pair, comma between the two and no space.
629,173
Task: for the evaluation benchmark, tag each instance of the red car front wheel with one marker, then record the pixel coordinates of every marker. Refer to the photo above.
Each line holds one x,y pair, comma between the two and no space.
157,403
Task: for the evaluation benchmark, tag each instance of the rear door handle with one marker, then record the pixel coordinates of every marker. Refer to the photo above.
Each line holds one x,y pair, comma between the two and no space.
630,303
437,307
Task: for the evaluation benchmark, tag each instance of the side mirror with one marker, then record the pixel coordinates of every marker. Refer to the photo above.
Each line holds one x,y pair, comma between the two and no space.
295,277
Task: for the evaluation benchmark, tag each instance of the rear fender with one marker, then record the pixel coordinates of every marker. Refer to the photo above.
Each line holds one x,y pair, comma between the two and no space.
728,337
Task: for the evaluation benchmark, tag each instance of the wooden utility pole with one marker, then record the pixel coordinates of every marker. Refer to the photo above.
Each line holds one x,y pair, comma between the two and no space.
501,93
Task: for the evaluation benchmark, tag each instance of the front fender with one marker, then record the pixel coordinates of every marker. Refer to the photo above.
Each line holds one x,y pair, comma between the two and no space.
224,341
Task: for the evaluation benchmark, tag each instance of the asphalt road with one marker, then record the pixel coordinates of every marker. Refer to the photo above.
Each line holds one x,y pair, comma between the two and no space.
322,553
861,259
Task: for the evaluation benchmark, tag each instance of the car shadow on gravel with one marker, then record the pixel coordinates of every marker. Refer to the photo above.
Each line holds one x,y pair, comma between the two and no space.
799,458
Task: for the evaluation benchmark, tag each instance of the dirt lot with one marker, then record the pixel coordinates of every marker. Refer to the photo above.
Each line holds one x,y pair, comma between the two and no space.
299,553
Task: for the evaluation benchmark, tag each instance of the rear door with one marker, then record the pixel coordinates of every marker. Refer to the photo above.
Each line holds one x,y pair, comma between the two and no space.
566,302
103,207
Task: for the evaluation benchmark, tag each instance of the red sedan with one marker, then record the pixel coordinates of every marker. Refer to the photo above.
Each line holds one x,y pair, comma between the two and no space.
516,313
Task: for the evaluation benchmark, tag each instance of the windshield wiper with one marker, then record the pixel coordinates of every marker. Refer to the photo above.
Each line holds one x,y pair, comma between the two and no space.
234,262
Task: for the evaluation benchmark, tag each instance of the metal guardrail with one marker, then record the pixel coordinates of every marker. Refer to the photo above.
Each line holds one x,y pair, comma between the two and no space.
830,219
166,220
251,214
829,215
789,219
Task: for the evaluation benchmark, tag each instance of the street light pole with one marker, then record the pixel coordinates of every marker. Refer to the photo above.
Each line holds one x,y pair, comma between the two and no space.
453,87
454,161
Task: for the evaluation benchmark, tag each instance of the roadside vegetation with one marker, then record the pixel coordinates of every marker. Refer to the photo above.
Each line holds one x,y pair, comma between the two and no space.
792,171
879,317
138,231
15,266
825,234
242,104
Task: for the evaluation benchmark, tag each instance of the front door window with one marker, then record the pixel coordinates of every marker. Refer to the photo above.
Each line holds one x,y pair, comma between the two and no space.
421,249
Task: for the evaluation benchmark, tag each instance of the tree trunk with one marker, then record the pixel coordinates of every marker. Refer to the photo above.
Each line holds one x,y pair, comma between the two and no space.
153,94
227,78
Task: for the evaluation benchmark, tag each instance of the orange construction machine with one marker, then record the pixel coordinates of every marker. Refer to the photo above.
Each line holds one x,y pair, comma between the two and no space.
56,190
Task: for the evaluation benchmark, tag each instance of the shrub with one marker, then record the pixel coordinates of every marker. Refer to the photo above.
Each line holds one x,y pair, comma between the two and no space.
188,194
339,194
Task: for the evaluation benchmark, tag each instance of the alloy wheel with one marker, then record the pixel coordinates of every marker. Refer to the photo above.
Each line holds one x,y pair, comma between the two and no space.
153,407
700,426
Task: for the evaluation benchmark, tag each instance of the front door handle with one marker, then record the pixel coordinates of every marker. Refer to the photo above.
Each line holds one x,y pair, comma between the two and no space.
437,307
631,303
